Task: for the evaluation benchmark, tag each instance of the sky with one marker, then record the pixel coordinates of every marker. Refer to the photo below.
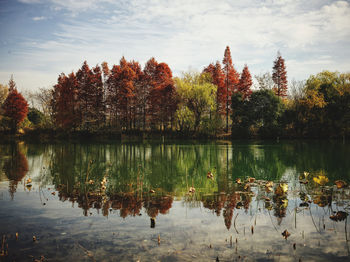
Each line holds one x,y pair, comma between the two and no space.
39,39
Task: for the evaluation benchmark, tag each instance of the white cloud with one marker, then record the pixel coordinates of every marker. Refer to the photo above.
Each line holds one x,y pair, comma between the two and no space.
38,18
194,33
30,1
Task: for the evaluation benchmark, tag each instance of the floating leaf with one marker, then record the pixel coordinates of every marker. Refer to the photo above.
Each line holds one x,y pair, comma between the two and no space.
339,216
269,184
321,180
268,189
281,189
285,234
251,179
340,184
321,200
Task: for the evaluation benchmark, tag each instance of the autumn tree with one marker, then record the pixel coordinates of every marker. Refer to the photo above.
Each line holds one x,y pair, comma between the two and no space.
15,107
218,79
64,103
231,80
163,101
90,95
126,92
136,111
148,84
245,82
120,93
279,77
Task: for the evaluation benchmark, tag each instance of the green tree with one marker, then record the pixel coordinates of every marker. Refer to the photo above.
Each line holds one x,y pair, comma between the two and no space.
241,120
265,110
35,116
327,104
184,118
197,93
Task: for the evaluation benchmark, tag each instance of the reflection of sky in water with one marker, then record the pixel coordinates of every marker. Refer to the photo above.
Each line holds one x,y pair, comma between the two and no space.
189,231
186,232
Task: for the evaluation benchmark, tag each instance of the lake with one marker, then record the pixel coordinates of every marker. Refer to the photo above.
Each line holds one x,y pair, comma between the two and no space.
175,201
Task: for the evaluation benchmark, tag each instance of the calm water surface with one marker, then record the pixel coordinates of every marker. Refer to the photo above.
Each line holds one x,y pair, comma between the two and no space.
131,201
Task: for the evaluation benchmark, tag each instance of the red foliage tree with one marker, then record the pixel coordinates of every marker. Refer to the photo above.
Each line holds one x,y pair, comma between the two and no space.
64,103
112,93
120,92
148,84
126,92
136,109
15,106
218,79
90,95
279,76
245,83
162,97
231,80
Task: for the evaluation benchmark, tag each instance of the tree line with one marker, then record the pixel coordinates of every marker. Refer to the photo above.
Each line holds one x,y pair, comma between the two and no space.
219,100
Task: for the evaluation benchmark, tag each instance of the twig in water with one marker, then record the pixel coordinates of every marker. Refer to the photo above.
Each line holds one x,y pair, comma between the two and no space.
312,218
234,223
272,221
88,252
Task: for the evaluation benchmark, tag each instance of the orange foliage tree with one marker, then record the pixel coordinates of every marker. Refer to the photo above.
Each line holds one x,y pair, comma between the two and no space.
231,80
64,102
163,100
90,95
279,77
218,79
245,83
15,106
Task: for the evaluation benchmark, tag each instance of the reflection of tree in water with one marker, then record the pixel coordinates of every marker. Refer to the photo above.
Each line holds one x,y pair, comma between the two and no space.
214,202
128,204
280,207
230,205
174,168
16,167
229,202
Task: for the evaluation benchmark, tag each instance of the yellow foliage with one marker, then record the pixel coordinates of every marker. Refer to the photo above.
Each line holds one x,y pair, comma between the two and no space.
321,180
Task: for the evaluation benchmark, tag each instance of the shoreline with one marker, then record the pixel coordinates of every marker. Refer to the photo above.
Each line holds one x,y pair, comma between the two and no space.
50,135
